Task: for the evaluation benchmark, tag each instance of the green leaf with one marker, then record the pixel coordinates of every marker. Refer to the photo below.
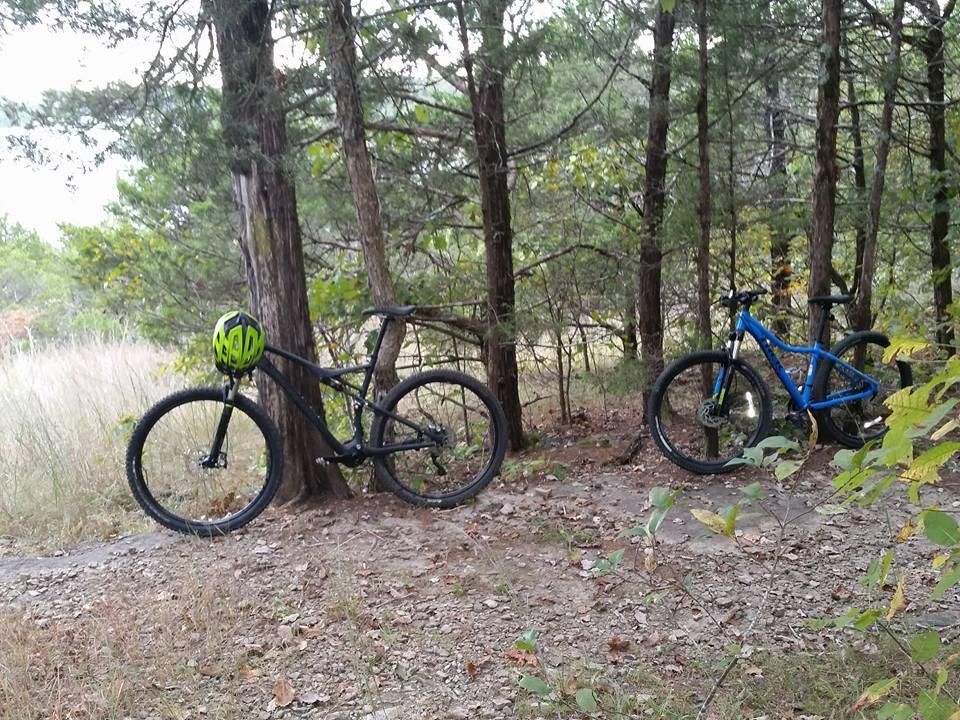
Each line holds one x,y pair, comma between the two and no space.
656,520
535,685
941,681
940,528
527,641
946,582
753,491
586,700
635,531
668,5
867,619
925,646
615,557
895,711
878,570
923,468
786,468
661,497
777,442
932,707
421,113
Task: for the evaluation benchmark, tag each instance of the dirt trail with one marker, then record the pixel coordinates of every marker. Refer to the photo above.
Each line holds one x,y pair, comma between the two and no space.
376,610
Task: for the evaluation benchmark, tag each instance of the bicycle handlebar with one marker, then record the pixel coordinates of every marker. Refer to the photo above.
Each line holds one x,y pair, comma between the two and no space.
744,297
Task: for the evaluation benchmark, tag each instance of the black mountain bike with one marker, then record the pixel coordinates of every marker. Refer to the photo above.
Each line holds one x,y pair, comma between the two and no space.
208,460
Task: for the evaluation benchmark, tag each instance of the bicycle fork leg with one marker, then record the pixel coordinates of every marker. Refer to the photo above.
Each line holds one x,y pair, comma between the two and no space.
216,447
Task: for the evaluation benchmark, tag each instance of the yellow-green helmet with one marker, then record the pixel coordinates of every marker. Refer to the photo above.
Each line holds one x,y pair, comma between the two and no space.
238,342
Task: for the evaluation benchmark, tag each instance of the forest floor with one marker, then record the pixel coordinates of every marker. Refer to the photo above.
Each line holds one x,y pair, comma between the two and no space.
375,610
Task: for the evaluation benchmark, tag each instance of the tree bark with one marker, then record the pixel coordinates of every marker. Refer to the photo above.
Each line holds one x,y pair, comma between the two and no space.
489,125
649,306
859,180
366,201
933,49
825,173
781,269
704,329
255,135
860,307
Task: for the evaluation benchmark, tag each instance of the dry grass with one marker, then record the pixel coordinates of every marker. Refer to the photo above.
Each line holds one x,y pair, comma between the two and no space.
68,410
169,654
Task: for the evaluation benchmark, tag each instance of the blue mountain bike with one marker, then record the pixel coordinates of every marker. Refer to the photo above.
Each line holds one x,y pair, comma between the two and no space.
706,407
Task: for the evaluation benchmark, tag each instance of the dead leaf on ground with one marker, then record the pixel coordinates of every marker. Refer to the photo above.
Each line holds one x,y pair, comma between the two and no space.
523,657
618,644
471,667
283,692
841,593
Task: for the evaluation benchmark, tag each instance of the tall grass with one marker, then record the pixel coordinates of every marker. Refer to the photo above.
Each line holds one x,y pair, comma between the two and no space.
67,411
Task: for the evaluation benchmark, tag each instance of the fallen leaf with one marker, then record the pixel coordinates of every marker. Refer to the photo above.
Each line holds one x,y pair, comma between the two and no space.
874,694
283,692
247,673
523,657
618,644
899,601
906,531
471,669
841,593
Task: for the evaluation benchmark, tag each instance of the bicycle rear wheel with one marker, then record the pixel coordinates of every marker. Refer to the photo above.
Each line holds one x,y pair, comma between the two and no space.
179,486
855,423
471,427
692,427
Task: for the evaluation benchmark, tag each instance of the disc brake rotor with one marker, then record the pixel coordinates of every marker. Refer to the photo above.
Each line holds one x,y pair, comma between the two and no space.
708,415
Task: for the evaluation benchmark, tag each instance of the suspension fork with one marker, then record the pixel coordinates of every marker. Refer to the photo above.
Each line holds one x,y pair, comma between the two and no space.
230,391
725,377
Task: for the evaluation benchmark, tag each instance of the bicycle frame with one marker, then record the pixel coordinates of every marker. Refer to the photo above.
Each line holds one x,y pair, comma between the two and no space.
353,451
749,325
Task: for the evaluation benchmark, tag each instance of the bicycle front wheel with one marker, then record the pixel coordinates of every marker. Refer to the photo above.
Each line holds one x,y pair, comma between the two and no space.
694,427
178,483
855,423
469,432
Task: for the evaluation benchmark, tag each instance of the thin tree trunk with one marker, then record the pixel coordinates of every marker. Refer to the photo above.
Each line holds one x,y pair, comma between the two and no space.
704,329
649,306
366,201
486,102
859,179
781,269
933,49
860,318
825,174
255,135
731,178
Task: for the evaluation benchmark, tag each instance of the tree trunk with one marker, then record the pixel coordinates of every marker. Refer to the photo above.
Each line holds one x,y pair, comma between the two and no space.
649,306
731,177
255,135
859,180
704,329
825,174
781,269
486,102
366,201
940,223
860,307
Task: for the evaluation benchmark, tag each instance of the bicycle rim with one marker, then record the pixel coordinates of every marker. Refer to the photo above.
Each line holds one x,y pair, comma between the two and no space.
467,452
173,474
860,421
698,430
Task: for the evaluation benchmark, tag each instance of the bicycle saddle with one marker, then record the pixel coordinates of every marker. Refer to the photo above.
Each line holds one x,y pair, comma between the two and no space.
398,311
829,300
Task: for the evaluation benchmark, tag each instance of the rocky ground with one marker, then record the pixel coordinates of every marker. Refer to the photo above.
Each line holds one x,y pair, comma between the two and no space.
375,610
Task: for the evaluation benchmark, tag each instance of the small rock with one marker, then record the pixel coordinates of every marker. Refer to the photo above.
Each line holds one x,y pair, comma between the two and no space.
457,713
491,603
507,509
724,602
